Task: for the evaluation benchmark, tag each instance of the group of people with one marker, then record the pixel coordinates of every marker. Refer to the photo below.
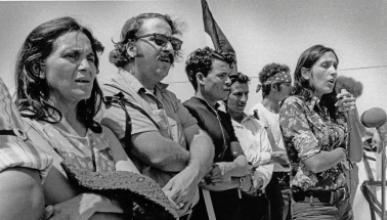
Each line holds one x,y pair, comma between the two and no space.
289,157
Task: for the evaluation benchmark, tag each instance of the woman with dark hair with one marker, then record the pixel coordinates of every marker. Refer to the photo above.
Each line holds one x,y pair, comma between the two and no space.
58,94
316,122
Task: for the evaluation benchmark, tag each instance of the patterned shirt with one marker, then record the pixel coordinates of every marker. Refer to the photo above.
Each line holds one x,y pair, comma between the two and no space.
308,129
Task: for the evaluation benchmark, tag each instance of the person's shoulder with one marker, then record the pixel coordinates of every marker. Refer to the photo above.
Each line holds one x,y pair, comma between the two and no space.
193,103
293,100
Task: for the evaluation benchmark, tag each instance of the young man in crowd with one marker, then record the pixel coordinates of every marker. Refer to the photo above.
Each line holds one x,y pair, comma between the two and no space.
209,73
275,83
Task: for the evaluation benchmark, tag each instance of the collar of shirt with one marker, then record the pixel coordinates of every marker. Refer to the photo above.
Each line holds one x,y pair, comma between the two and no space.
204,102
313,102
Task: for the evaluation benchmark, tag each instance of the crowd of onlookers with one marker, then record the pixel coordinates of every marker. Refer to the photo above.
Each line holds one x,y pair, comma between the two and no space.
290,156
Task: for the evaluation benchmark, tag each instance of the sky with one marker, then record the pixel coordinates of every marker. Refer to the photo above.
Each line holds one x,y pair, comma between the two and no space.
261,32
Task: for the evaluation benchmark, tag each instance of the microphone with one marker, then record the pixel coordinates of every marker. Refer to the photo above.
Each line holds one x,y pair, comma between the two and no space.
376,118
373,118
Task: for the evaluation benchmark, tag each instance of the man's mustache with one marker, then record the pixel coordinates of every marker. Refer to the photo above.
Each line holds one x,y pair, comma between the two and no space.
166,56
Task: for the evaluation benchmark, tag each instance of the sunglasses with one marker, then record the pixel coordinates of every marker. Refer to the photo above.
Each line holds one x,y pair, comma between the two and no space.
162,40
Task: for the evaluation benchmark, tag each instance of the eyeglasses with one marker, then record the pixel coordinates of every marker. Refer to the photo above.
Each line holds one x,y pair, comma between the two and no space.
162,40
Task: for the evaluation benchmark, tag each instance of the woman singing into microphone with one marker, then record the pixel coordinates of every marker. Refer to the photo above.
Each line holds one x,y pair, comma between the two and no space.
316,125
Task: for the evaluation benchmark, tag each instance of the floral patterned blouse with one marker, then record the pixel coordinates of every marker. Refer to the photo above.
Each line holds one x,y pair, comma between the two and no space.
308,129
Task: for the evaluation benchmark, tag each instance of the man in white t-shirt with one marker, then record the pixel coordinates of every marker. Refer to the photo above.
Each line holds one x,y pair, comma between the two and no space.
275,83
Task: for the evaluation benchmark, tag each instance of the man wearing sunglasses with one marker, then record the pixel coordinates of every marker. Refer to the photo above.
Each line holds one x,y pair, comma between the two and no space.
275,84
164,139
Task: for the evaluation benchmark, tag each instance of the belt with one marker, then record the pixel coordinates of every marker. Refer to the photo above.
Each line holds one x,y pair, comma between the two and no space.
325,196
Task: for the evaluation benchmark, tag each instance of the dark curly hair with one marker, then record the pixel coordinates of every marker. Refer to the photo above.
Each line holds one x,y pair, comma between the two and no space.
240,78
32,86
118,56
302,87
200,60
268,71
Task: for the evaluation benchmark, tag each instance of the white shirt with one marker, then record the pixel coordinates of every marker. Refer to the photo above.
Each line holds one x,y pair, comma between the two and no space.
271,121
256,146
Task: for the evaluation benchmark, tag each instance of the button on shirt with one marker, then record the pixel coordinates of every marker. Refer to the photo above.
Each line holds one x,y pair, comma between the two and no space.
308,129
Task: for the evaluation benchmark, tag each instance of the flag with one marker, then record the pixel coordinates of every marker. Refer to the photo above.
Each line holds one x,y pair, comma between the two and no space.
218,38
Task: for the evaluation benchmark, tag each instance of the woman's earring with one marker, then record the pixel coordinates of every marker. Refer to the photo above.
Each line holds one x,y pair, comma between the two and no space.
42,71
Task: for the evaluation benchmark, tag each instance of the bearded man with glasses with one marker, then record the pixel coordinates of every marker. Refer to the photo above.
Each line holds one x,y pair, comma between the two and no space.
158,132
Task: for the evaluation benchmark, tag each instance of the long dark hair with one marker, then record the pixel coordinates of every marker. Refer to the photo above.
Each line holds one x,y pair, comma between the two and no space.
32,87
302,87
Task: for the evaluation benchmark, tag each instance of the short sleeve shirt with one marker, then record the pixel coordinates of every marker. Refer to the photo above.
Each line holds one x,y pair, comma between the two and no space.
217,124
161,105
16,151
168,116
308,130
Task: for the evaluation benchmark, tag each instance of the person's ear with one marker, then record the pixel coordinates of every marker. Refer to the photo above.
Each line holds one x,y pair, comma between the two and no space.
131,49
39,69
306,73
200,78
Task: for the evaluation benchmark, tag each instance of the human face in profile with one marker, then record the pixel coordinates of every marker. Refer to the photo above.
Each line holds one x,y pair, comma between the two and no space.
154,51
216,85
70,68
322,76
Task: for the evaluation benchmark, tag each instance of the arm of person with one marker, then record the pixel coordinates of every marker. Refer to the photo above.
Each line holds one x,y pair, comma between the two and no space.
238,167
159,152
65,202
123,162
264,171
183,187
295,128
325,160
21,194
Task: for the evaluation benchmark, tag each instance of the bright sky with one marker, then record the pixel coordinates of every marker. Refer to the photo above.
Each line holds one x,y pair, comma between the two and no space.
261,31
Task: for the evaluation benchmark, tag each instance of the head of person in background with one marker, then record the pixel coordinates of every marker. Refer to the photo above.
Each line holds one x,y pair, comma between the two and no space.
56,68
148,47
238,97
209,73
275,82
